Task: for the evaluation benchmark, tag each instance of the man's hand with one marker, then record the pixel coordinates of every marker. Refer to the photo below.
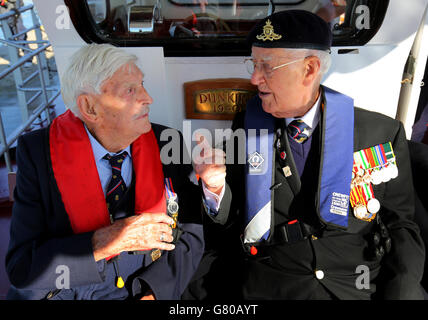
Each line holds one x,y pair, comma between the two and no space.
141,232
210,166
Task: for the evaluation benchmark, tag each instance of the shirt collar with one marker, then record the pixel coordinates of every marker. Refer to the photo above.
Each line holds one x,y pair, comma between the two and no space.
311,118
99,150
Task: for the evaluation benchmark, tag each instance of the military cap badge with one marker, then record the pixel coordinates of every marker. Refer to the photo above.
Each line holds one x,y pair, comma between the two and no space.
268,33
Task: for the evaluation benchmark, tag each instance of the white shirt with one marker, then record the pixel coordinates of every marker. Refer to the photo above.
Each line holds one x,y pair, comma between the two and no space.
103,165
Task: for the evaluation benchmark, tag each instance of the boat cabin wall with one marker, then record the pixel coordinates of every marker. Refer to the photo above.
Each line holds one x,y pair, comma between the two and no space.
371,73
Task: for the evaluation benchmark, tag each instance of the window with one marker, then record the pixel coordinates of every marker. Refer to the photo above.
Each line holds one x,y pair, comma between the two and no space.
212,27
232,2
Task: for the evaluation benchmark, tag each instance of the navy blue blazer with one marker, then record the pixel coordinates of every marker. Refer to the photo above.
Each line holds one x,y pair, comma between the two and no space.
44,254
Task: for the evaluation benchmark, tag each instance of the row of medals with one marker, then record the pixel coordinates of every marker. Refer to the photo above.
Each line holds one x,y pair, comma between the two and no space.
172,208
367,211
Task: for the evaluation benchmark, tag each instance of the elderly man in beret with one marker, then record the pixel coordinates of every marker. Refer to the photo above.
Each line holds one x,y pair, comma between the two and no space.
97,215
324,206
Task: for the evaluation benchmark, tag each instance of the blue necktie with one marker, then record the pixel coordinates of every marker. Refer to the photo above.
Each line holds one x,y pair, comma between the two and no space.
298,130
117,187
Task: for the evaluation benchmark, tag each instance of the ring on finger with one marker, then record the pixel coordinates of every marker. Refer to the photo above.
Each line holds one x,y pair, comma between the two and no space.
162,237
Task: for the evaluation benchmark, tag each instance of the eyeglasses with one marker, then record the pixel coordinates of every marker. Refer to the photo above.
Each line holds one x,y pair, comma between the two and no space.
264,66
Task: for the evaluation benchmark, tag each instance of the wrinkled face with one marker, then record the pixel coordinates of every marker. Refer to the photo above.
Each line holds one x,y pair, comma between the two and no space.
283,92
124,104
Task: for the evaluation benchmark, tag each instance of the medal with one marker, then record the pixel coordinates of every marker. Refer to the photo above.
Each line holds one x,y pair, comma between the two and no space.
172,205
393,170
356,198
360,212
373,206
391,164
363,201
376,177
155,254
385,174
173,211
371,203
372,165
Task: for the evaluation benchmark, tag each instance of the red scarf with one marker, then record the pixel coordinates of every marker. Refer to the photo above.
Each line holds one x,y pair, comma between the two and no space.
78,181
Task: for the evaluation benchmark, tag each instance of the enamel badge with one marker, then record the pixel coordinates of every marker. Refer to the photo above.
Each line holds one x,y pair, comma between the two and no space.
255,161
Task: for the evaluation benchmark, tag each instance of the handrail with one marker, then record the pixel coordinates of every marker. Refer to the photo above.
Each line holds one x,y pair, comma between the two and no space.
6,146
13,12
22,60
18,131
32,89
13,42
17,35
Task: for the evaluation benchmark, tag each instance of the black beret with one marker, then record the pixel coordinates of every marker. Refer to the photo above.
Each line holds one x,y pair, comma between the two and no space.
297,29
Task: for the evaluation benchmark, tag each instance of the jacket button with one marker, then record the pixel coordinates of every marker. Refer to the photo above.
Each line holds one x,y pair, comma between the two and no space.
319,274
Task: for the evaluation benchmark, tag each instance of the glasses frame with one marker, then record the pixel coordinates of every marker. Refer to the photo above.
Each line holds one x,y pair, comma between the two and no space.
269,74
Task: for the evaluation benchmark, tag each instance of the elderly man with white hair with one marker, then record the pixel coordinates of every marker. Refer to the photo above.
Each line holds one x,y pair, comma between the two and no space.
97,215
323,207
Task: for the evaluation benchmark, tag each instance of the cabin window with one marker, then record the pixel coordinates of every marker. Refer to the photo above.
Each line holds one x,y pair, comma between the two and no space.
213,27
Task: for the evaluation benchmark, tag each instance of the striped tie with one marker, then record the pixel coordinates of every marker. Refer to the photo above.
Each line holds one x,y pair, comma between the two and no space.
298,130
117,187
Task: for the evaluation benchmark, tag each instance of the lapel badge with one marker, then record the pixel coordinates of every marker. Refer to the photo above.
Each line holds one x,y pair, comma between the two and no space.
287,171
255,161
268,33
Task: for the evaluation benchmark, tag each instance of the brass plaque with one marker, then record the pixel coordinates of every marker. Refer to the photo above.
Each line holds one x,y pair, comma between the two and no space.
217,99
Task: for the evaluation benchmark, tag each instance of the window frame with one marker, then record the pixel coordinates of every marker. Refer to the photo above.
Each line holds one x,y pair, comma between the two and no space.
82,20
277,3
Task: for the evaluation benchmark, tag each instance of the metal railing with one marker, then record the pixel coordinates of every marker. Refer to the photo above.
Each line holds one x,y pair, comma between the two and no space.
14,45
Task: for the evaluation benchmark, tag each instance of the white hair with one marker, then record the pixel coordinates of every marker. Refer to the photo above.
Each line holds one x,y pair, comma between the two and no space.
89,67
323,56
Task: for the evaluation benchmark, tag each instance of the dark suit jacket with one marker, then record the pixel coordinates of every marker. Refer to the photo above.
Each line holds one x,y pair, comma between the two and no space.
287,271
419,159
42,239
